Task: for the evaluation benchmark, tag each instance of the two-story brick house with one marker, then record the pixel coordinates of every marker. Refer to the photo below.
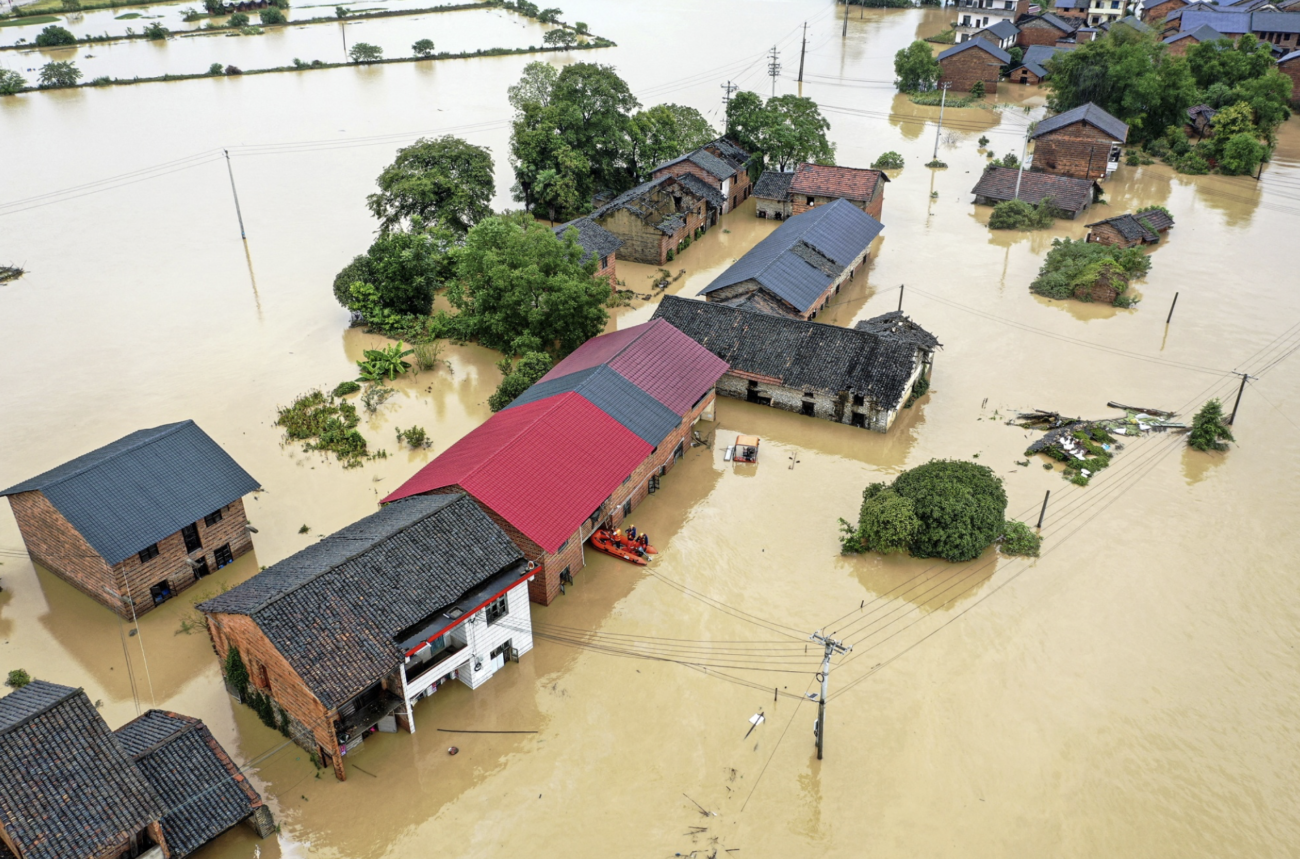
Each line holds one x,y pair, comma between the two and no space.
972,61
136,521
1084,143
654,218
720,164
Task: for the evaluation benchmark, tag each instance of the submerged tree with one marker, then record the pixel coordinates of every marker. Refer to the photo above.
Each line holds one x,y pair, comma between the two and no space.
11,82
442,180
1209,430
59,74
784,131
423,48
664,132
519,377
915,68
364,52
53,36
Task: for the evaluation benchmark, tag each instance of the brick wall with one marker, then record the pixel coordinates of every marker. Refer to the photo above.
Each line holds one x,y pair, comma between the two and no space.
1037,32
1161,11
1107,235
607,270
873,207
1179,48
1023,75
774,209
1291,69
1078,150
645,244
961,71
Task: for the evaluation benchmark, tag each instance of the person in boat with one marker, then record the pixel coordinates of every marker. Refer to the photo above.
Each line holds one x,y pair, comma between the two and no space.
631,533
645,540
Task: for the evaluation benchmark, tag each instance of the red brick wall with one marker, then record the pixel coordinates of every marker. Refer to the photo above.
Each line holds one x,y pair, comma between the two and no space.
607,270
694,219
1023,75
1291,69
1037,33
799,202
1078,150
1179,48
961,71
1161,11
681,168
53,543
1105,234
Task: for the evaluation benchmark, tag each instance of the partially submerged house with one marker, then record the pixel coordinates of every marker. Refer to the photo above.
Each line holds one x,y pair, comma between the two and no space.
812,185
1002,33
1033,68
1084,143
70,788
1130,230
654,218
975,15
722,165
138,520
859,376
581,448
1044,29
597,243
346,635
772,195
1179,42
799,266
1069,196
1201,118
972,61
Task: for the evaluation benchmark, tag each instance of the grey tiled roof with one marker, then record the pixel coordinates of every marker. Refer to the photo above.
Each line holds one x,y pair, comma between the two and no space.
202,791
596,241
1132,21
145,486
1059,23
1088,113
1275,22
631,200
874,363
896,325
1135,227
1230,23
614,395
67,787
1067,192
1203,33
731,150
1003,29
993,50
703,159
773,185
700,188
1291,56
333,609
1036,57
837,232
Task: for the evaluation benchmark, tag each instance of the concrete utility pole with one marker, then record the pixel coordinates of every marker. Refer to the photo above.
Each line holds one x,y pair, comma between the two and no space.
238,214
844,34
803,46
832,647
943,99
773,69
1024,146
727,89
1233,417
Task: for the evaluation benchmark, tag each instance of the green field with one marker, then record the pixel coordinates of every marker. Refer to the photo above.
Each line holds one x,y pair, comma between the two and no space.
34,19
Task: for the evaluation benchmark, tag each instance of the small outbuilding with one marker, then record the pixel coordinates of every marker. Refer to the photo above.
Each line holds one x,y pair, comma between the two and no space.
1084,143
810,185
1201,118
772,195
970,62
1044,29
654,218
1033,68
1003,34
1069,196
1130,230
1179,42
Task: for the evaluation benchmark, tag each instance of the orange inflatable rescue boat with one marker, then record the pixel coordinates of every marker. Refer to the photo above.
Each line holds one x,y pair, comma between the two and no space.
606,542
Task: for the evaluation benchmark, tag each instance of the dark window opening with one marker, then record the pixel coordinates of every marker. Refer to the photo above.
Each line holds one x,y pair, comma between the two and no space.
859,400
498,608
161,592
812,201
808,409
212,518
627,508
202,569
148,553
680,450
506,651
223,555
604,261
858,420
191,535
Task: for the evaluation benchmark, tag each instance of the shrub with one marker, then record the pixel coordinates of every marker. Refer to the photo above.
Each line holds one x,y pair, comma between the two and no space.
237,20
345,388
272,15
977,89
1242,155
428,355
531,367
380,364
214,7
1009,160
1018,539
1073,267
102,80
18,678
416,437
887,522
250,31
1209,431
936,163
1191,164
363,52
234,70
11,82
215,69
71,5
1020,215
54,75
156,31
423,48
375,396
324,424
983,141
580,26
53,36
888,161
236,672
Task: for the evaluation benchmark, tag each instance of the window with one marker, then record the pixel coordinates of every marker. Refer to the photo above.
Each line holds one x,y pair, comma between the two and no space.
563,545
627,508
161,592
498,608
808,409
223,555
604,261
148,553
812,201
212,518
859,400
191,535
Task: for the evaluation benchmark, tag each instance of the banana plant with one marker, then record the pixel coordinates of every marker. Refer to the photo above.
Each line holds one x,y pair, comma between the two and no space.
384,364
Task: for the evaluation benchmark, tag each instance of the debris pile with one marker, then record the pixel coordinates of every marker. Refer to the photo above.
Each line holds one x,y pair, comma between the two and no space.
1087,446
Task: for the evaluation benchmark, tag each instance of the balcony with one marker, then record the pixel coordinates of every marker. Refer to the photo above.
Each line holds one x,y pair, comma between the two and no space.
419,678
367,716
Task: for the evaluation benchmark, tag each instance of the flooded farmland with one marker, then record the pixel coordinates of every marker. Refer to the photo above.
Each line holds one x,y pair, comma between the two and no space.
1130,693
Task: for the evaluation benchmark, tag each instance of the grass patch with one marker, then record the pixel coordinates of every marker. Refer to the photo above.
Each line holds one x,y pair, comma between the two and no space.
932,98
944,37
34,19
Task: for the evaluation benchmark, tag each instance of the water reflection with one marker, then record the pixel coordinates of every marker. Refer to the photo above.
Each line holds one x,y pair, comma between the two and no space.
1198,465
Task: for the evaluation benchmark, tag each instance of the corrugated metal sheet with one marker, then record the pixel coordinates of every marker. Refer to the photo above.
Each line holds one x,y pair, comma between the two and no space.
615,396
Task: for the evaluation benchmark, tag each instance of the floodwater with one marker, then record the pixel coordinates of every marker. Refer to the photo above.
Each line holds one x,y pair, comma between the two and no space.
1131,693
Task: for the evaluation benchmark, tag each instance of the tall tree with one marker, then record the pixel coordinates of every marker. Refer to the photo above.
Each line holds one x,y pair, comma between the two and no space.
746,119
663,132
441,180
534,87
786,130
915,67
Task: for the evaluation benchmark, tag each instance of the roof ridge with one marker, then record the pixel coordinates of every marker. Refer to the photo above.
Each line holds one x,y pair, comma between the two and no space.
171,429
41,711
190,724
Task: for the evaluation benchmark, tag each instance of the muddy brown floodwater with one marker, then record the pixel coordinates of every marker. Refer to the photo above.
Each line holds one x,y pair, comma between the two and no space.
1131,693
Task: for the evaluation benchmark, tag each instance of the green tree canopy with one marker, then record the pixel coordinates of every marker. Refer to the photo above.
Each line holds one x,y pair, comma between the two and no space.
422,48
59,74
439,180
526,372
746,119
559,37
399,272
534,87
663,132
961,507
1209,431
516,283
11,82
1224,62
54,36
788,129
887,522
915,67
364,52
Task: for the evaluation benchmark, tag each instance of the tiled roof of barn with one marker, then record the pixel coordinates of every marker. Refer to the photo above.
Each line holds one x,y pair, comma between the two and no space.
1145,226
349,594
838,232
700,188
145,486
824,180
1089,113
705,160
1055,21
773,185
1203,33
632,200
67,787
802,355
896,325
614,395
1067,193
987,47
596,241
1037,55
201,789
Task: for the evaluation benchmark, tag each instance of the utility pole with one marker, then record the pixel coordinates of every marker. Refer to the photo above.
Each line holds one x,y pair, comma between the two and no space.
773,69
844,35
901,287
943,99
832,647
727,89
343,30
1233,417
238,214
1024,145
803,46
1172,305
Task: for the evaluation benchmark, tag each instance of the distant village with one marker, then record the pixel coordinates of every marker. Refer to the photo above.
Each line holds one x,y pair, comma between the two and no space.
347,637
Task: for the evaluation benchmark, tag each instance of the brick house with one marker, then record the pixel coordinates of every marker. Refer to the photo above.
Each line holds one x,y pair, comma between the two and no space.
1131,21
1289,65
1084,143
812,185
971,61
1200,118
1002,33
1153,11
721,164
975,15
653,218
597,243
138,520
1179,42
772,195
72,789
581,448
1127,231
1231,22
1279,29
1044,29
1033,68
348,634
860,376
1074,11
1069,196
1101,12
795,270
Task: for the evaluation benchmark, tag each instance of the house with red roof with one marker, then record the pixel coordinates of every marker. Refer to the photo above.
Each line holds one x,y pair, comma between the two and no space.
583,447
783,195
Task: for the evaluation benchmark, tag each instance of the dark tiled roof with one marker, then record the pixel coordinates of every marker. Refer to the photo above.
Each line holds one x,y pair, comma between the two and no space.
1059,23
133,492
1036,57
1201,111
802,355
992,50
1067,193
615,396
333,609
1147,4
1289,57
700,188
67,787
730,150
773,185
705,160
896,325
1229,23
1132,21
1072,4
1003,29
1088,113
1144,226
823,180
1275,22
1203,33
596,241
202,791
633,200
780,263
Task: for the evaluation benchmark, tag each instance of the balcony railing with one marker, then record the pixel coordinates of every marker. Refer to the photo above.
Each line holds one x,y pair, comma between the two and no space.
444,663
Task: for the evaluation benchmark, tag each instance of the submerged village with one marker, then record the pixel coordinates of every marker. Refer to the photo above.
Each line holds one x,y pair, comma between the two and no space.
634,454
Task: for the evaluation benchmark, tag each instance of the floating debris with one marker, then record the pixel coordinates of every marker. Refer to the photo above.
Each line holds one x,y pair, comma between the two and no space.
1087,446
11,272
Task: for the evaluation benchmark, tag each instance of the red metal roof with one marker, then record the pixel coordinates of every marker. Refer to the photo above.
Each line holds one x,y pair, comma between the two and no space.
544,467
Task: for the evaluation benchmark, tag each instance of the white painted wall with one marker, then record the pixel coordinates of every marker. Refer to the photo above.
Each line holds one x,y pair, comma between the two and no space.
484,637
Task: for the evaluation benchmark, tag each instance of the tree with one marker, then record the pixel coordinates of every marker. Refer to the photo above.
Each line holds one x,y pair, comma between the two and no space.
272,15
663,132
961,507
1224,62
915,68
398,274
439,180
887,522
214,7
71,5
1242,155
1209,431
423,48
559,37
11,82
54,36
977,89
237,21
549,16
1128,74
363,52
519,288
215,69
786,130
59,75
746,119
535,86
158,31
524,373
580,27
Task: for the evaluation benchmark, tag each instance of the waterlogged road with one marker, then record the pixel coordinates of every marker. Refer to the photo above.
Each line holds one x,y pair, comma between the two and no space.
1131,693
